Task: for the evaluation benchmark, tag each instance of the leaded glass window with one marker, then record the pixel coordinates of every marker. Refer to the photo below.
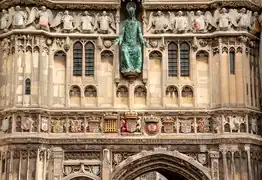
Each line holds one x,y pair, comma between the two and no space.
232,61
172,59
184,59
77,59
27,86
89,59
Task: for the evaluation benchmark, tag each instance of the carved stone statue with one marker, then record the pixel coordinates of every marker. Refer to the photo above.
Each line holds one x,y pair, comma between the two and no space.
87,23
67,21
158,21
105,22
4,20
244,19
45,18
223,20
254,25
44,15
19,18
199,22
180,22
131,39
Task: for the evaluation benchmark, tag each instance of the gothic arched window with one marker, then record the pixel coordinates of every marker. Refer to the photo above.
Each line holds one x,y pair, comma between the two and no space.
172,59
232,61
184,59
89,59
27,86
77,59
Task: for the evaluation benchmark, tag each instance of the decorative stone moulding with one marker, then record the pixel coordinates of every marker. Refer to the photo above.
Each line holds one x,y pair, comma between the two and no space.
65,4
201,4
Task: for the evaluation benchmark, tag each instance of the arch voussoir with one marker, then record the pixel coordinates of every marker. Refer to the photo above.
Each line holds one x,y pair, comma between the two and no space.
171,161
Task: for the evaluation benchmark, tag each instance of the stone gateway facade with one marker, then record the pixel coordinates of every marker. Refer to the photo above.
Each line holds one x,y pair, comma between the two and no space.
68,112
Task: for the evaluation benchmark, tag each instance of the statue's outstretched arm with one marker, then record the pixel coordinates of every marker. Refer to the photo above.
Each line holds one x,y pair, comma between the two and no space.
119,40
140,35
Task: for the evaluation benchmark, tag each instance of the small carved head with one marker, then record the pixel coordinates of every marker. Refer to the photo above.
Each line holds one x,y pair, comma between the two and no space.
86,13
180,13
104,13
255,14
66,12
243,10
223,10
159,13
43,8
17,8
4,11
199,13
131,8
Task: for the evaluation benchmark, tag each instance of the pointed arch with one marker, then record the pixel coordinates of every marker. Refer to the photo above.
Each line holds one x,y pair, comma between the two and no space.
161,160
77,58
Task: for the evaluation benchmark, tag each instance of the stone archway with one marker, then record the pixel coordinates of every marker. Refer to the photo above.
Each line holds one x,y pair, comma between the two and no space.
168,163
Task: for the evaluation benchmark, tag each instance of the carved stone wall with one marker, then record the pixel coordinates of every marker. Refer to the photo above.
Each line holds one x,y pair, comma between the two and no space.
67,112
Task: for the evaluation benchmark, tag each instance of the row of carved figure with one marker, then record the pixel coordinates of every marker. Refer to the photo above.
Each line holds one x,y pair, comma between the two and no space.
44,19
105,23
221,20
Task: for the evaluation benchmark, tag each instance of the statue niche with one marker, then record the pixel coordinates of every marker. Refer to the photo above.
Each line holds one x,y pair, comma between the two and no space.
131,39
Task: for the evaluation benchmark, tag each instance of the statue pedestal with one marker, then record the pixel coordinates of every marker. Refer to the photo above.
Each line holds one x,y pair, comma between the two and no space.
131,76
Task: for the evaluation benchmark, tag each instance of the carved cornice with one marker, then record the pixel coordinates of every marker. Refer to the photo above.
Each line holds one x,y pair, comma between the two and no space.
64,4
147,4
200,4
113,36
50,34
162,112
226,139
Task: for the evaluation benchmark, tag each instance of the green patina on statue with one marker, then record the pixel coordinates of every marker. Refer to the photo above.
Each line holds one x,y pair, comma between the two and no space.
130,39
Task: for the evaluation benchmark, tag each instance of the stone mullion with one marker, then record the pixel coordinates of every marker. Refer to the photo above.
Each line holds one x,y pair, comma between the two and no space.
210,80
37,164
232,165
28,164
247,149
214,156
20,165
178,60
14,76
247,124
50,78
32,75
225,168
24,75
44,166
41,75
164,75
